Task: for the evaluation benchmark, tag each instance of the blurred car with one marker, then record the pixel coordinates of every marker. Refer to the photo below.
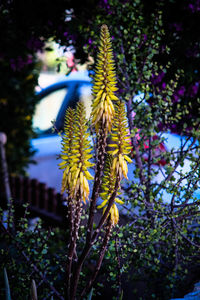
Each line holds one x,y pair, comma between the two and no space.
54,99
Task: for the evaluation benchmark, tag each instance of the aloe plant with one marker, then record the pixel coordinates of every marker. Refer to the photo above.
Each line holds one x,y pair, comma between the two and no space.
108,118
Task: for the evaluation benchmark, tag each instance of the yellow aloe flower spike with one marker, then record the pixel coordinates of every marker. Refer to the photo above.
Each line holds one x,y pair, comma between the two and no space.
104,84
76,173
113,214
120,142
67,146
108,186
81,155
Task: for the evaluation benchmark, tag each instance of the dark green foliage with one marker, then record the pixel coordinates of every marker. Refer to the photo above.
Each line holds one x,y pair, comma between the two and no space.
158,248
17,106
142,259
31,255
25,27
155,248
154,263
17,97
135,26
152,34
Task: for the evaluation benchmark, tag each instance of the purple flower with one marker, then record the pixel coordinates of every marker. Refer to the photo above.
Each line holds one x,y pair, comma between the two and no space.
161,126
13,64
173,128
188,129
193,90
191,7
157,78
105,5
192,52
35,44
178,93
194,7
181,91
177,26
163,86
29,59
144,37
19,63
175,98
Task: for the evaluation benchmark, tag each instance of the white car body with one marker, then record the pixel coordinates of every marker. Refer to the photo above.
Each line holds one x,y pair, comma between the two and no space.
48,149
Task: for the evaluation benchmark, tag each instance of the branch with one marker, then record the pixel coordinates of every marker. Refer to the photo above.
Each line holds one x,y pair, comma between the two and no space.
99,262
186,238
101,145
75,223
176,165
89,243
129,116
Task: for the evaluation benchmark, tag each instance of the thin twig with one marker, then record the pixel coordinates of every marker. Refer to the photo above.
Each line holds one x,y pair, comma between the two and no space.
177,163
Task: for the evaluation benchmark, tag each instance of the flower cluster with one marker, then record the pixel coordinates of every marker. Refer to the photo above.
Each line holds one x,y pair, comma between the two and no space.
67,146
108,186
104,84
108,114
116,163
76,154
120,142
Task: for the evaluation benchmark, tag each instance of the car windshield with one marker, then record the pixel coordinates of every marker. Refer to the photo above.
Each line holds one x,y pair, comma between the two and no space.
47,110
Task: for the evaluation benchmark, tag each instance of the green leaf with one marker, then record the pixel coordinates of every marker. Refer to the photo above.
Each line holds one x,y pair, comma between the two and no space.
90,295
7,286
33,291
121,296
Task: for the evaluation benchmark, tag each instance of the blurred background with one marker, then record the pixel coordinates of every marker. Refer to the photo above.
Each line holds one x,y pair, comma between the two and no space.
46,50
56,91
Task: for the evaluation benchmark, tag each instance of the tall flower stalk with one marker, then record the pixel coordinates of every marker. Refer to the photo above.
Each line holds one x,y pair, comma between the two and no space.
109,120
76,156
103,111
